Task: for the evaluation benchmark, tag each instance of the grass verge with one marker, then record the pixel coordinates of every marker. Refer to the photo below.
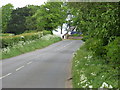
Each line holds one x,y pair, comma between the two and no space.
89,71
21,49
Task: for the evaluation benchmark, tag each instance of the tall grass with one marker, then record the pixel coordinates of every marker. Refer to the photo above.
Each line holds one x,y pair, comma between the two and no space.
89,71
23,47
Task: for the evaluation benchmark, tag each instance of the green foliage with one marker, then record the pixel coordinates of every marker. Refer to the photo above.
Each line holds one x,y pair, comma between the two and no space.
0,19
96,46
89,71
6,15
113,51
18,18
30,22
12,40
6,34
23,47
45,17
85,37
75,35
96,19
46,32
50,16
30,31
99,22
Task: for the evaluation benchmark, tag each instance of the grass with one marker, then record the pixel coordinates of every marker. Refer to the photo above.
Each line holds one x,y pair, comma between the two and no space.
6,34
38,44
89,71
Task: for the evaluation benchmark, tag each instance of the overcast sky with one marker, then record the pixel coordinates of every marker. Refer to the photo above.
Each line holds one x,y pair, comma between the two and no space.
22,3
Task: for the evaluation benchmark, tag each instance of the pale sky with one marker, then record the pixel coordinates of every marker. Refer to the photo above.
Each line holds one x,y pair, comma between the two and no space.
22,3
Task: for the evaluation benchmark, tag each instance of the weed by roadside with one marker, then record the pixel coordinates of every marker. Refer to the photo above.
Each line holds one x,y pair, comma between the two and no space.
23,47
89,71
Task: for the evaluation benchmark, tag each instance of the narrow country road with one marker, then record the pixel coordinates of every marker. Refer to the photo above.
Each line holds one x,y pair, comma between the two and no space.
43,68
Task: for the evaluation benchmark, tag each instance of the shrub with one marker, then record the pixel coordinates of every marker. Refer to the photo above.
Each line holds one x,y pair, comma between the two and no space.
85,37
89,71
75,35
12,40
46,32
30,31
23,47
113,51
6,34
96,46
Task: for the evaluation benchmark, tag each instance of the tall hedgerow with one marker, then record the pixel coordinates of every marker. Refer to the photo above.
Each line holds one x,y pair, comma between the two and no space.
99,22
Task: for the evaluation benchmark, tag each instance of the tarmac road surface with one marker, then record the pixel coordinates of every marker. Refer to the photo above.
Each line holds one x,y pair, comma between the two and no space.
42,68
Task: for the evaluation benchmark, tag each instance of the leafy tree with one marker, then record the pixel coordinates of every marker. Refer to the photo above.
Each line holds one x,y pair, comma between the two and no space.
18,19
0,20
30,22
50,16
99,21
96,15
6,15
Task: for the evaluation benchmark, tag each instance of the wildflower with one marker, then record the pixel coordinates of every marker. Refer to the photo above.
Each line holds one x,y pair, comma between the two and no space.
85,57
82,77
75,53
90,86
7,49
47,37
75,65
83,81
110,86
93,74
104,85
103,76
22,36
86,64
75,61
78,84
89,56
85,86
78,62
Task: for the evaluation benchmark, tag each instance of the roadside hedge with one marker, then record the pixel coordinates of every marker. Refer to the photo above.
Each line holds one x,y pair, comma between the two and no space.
46,32
100,24
12,40
113,53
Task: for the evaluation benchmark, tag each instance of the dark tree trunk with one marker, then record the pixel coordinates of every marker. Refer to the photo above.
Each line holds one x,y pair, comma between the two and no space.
61,29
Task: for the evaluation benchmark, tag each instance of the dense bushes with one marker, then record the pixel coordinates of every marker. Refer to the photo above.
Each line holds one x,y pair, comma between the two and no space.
33,17
6,34
113,53
27,46
89,71
12,40
75,35
96,46
46,32
99,22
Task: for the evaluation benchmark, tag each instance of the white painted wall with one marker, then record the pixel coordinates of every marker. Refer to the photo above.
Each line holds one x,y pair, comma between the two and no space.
58,31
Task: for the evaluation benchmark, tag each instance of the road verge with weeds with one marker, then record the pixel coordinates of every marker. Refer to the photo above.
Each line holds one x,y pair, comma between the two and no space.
89,71
22,47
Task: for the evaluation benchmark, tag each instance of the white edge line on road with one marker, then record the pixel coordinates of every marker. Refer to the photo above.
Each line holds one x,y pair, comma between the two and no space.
19,68
29,63
5,75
